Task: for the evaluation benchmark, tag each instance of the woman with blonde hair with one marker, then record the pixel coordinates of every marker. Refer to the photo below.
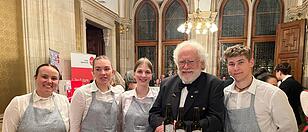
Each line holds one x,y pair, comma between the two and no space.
95,106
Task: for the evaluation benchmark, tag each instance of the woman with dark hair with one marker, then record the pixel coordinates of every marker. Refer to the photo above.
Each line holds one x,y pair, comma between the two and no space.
41,110
263,75
291,87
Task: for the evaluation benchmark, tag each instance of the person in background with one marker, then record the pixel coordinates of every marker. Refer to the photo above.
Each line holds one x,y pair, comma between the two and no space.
304,104
264,75
130,82
96,106
136,103
41,110
158,80
117,79
253,105
291,87
188,89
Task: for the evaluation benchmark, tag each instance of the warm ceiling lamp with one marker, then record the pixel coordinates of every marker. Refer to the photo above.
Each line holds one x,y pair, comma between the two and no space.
200,21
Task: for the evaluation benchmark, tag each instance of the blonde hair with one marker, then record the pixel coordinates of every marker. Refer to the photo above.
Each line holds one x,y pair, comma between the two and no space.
237,50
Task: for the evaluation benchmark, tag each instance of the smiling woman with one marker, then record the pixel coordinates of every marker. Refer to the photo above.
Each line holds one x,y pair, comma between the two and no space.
136,103
95,106
41,110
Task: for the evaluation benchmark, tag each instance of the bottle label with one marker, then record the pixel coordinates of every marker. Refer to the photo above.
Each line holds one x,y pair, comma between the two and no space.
197,131
169,128
180,130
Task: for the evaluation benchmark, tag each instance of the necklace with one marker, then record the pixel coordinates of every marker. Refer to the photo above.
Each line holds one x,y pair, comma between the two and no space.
244,88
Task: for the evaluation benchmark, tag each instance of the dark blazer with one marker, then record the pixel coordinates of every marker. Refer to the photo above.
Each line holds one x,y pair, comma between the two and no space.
293,89
206,92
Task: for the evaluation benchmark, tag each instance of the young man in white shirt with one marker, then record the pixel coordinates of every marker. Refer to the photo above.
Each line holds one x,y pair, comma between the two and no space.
253,105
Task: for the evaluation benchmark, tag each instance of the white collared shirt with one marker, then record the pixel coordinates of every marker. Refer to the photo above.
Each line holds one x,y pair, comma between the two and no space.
271,106
127,96
82,99
304,102
184,93
15,110
286,77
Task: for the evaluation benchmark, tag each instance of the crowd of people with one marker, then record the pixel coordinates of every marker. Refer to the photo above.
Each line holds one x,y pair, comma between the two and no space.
245,102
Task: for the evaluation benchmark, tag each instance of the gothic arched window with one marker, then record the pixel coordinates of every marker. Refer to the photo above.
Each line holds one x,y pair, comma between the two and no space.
233,18
267,14
146,32
174,14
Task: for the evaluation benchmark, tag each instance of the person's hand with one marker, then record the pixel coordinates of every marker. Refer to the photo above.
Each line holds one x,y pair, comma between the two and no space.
160,128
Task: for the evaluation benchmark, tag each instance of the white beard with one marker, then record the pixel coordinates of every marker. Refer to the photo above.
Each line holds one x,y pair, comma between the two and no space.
189,80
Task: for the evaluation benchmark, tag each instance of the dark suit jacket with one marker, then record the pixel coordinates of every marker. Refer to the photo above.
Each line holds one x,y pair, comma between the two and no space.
206,93
293,90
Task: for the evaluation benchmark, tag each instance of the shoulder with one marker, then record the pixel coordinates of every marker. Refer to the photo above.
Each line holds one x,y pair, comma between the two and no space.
169,83
304,101
268,90
289,81
127,94
117,89
85,89
61,97
25,96
293,82
154,90
228,88
21,99
19,103
212,81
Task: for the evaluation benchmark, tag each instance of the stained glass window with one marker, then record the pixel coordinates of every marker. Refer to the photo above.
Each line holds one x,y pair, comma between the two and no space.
223,63
146,23
150,53
170,67
264,55
174,17
233,19
267,17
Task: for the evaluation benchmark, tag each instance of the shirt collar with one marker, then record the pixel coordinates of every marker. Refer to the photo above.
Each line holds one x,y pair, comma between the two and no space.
36,97
251,89
94,88
149,95
286,77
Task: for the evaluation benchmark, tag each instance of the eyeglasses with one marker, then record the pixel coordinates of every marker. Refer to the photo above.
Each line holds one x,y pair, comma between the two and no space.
188,62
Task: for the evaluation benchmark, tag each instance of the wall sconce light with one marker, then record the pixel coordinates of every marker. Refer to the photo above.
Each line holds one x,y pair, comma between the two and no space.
123,29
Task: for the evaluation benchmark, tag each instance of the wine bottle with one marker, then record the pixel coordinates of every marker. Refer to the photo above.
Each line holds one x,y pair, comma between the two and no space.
196,126
180,125
168,122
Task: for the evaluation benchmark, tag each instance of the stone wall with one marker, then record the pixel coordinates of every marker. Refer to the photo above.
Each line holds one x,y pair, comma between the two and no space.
48,24
12,68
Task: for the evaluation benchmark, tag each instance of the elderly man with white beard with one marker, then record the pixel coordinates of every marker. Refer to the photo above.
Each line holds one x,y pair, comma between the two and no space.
190,88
